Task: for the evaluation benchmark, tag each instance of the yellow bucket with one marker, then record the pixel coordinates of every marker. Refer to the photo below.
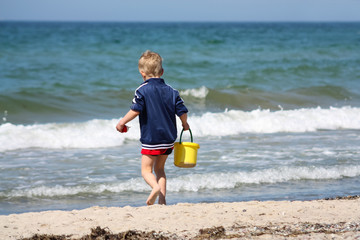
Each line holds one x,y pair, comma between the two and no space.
185,153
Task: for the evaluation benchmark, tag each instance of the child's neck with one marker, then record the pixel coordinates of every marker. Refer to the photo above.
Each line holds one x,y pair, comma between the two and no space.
147,78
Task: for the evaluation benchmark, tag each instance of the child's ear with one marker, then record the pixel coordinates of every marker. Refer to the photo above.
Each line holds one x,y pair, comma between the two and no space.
162,72
143,74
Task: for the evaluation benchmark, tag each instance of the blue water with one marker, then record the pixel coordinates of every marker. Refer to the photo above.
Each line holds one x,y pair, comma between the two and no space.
275,108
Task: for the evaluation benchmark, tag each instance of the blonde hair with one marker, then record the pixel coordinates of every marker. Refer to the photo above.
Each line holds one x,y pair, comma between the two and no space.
151,64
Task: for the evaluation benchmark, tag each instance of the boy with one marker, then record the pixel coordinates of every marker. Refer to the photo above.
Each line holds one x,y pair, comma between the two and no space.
156,104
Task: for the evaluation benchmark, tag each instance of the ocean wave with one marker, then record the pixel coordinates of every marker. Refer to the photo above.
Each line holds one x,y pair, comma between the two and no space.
247,97
101,133
201,92
230,180
194,182
234,122
30,105
91,134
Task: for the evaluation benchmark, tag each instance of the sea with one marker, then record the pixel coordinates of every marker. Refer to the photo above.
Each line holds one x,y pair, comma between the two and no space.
275,108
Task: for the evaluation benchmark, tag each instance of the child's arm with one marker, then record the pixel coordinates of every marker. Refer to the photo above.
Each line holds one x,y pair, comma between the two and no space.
184,122
127,118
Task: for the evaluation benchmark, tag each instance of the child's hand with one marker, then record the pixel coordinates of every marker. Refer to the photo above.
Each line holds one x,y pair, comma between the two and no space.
186,126
184,122
121,128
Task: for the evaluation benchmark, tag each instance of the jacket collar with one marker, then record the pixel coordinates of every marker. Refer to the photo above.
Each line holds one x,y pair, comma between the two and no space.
159,80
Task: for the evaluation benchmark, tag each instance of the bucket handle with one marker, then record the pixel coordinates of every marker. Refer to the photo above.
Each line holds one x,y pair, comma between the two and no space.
182,134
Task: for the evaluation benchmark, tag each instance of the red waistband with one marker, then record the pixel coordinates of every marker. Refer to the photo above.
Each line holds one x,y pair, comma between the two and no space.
166,151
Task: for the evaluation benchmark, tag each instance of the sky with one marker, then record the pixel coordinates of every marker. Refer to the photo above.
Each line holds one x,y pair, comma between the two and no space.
184,10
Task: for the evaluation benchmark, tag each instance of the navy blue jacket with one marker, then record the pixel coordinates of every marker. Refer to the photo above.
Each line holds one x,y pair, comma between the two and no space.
158,103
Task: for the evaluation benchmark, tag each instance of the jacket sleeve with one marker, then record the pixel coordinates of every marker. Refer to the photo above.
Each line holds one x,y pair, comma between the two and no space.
138,103
180,108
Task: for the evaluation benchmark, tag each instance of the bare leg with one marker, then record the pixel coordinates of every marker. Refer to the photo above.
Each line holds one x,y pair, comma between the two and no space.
161,177
147,163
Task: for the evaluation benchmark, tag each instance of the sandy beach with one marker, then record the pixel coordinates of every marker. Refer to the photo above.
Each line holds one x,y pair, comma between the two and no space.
318,219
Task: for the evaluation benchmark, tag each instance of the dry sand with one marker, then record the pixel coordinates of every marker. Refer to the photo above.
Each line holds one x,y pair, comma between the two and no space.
320,219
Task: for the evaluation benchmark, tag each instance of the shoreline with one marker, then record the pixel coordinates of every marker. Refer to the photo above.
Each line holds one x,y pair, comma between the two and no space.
336,217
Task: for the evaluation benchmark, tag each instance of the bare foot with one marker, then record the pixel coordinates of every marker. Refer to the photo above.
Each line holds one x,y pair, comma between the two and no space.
153,195
162,200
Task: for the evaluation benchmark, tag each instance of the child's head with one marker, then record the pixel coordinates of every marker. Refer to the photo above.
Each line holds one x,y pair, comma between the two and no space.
150,63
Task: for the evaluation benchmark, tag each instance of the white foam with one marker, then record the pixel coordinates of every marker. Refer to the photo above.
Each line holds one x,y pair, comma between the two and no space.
101,133
234,122
196,182
92,134
201,92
